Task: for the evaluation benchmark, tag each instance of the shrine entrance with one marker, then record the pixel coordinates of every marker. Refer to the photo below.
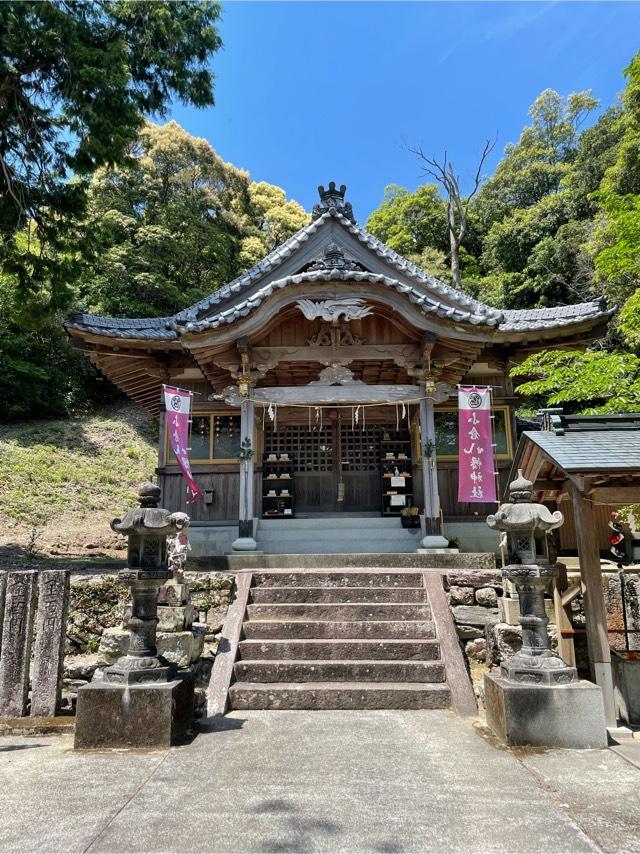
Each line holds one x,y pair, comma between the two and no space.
340,467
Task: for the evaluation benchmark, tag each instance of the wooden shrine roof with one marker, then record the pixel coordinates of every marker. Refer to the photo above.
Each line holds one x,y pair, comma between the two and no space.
361,260
600,455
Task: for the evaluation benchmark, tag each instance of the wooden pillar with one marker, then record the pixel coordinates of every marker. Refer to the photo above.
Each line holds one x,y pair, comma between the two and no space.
247,496
429,468
594,606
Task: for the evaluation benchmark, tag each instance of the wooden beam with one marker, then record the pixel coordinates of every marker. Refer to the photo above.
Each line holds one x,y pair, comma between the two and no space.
594,606
615,495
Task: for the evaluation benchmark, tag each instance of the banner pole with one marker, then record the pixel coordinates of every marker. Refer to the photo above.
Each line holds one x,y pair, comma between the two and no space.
494,447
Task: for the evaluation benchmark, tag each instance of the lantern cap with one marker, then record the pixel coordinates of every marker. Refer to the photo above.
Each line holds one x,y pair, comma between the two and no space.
520,489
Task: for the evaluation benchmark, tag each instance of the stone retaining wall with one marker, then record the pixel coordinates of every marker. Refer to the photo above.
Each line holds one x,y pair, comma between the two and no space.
95,636
485,611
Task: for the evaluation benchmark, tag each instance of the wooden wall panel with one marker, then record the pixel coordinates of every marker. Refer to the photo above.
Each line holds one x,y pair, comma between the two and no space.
226,495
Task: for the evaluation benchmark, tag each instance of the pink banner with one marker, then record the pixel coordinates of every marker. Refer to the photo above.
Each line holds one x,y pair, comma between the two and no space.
178,403
476,464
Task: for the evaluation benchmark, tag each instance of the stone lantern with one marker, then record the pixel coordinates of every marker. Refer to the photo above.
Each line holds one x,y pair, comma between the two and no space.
147,528
527,526
537,698
140,701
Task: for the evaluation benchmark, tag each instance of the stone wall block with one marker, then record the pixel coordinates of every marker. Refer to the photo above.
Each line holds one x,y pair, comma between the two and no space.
48,660
474,615
612,592
487,597
476,649
475,578
632,607
15,655
179,648
461,595
3,590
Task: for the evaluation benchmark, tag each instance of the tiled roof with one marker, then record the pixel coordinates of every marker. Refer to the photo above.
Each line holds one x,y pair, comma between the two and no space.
528,319
246,306
430,294
121,327
275,258
591,450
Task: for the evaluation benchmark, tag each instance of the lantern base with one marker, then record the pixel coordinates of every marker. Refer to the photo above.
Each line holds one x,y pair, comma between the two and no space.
147,715
545,669
130,670
569,715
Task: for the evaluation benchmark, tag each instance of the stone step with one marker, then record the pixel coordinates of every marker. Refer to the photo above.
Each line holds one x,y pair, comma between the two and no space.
335,595
283,534
323,611
339,671
339,695
337,650
330,523
310,629
348,546
306,578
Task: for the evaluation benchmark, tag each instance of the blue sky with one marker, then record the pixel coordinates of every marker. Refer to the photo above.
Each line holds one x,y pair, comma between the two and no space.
309,92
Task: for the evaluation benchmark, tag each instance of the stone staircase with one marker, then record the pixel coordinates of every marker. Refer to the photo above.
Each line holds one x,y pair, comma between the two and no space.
330,639
347,535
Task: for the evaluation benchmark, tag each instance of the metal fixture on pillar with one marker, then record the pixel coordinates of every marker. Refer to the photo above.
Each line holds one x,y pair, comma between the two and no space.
245,540
147,528
434,392
526,525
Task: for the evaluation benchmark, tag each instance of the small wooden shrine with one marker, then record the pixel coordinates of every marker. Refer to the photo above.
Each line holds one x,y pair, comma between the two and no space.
339,359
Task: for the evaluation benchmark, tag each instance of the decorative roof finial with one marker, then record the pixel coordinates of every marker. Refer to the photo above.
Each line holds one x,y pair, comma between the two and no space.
332,198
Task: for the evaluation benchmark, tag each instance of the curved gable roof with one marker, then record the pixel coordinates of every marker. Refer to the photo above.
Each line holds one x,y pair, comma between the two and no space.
246,292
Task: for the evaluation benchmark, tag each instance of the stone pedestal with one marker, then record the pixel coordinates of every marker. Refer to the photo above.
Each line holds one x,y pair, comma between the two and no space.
570,716
434,544
144,715
244,544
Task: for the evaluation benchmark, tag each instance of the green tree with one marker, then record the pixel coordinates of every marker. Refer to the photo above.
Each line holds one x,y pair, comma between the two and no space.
166,229
75,80
268,220
537,164
175,224
591,382
616,242
415,225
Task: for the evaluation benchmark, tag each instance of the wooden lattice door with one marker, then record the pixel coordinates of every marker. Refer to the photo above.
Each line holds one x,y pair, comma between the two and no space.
326,456
360,463
313,455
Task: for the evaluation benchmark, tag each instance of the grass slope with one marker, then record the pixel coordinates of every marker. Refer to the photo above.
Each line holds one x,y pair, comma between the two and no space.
61,475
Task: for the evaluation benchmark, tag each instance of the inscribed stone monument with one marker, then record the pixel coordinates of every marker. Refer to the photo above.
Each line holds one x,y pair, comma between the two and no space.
15,655
51,617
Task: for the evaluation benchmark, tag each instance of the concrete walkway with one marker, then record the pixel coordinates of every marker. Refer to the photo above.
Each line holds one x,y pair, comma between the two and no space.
318,781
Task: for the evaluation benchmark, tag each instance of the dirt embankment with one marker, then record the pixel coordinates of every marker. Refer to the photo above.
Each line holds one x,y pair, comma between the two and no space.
61,482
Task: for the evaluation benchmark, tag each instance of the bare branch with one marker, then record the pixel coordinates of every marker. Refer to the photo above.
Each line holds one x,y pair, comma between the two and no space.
457,206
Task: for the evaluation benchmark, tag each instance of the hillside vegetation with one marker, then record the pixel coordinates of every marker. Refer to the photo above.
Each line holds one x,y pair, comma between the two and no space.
62,481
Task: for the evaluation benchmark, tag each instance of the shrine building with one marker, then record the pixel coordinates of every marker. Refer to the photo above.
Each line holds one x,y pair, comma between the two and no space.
339,361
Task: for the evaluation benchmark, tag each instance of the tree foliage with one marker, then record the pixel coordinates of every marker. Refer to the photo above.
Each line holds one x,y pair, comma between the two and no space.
557,223
75,80
591,382
176,224
166,229
160,232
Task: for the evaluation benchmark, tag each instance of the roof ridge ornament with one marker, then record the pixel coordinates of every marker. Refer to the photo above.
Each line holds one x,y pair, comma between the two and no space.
334,258
332,199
